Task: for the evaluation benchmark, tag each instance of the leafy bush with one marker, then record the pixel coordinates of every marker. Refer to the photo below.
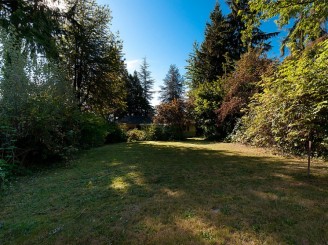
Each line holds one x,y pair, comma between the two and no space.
42,109
93,130
4,172
7,153
163,132
115,134
136,135
293,107
153,132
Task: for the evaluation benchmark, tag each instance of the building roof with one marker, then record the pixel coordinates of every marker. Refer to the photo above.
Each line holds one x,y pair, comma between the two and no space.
135,120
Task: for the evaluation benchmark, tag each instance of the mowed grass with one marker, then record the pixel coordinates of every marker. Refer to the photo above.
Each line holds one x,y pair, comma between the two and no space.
191,192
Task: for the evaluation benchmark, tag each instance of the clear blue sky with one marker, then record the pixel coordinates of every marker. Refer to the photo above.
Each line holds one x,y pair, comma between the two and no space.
163,31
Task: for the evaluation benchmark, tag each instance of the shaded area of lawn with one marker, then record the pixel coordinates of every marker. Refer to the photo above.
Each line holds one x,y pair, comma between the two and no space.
169,193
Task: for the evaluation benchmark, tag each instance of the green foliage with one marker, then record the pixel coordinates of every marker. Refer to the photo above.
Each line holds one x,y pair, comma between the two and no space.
41,110
7,153
93,130
214,60
153,132
115,134
223,44
8,139
308,19
92,56
4,173
136,135
35,21
293,107
207,61
207,98
136,102
156,132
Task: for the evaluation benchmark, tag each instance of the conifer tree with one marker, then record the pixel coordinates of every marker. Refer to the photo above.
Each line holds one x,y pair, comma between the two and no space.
146,80
206,63
237,25
93,57
35,21
137,104
173,85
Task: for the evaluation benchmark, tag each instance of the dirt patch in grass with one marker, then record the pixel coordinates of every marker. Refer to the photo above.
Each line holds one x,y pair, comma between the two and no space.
192,192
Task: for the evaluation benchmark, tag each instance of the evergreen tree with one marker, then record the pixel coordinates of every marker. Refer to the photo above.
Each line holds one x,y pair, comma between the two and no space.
137,104
237,25
173,85
35,21
206,63
93,57
214,60
223,44
146,80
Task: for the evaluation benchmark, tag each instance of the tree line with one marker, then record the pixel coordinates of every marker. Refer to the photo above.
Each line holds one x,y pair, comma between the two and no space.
240,94
63,81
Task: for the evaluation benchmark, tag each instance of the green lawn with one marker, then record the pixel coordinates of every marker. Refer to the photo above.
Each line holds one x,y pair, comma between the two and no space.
190,192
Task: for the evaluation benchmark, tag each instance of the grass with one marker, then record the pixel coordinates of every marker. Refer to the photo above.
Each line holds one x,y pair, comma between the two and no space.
190,192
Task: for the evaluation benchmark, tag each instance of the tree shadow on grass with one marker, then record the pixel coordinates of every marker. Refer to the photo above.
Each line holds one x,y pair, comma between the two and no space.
149,193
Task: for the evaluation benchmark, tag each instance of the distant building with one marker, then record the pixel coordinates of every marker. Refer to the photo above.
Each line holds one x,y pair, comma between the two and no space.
131,122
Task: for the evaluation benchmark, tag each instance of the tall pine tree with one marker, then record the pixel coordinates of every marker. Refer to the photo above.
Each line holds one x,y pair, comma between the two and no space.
173,85
147,83
36,21
237,25
146,80
137,104
93,57
207,61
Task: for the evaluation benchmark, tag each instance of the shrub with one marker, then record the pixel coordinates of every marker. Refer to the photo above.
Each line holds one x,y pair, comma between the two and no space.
3,172
115,134
136,135
153,132
7,153
93,130
163,132
293,107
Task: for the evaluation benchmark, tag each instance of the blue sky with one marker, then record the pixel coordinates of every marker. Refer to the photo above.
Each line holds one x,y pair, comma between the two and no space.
163,31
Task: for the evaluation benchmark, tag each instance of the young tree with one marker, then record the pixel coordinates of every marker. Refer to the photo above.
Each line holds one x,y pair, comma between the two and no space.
173,85
175,115
207,98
